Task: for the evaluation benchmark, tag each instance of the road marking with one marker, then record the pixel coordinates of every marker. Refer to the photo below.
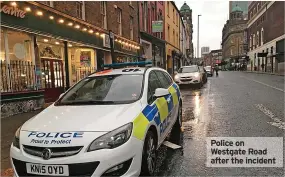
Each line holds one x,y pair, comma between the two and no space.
276,121
264,84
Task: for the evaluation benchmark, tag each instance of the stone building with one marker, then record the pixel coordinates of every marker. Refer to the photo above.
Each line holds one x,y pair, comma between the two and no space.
234,38
266,36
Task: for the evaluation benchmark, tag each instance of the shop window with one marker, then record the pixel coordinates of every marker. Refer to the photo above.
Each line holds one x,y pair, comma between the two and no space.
131,27
119,20
103,14
82,62
17,66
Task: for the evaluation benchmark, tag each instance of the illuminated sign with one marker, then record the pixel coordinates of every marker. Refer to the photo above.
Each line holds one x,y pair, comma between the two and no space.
14,11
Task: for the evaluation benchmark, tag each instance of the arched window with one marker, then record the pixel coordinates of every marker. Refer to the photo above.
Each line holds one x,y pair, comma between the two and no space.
262,36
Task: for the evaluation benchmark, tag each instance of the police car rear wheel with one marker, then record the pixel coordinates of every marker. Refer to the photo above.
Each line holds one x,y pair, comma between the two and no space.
149,155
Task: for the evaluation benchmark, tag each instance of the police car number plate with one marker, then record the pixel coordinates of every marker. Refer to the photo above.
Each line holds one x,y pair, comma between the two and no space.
42,169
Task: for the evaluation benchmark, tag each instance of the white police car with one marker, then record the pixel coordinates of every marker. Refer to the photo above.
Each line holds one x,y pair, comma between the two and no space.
108,124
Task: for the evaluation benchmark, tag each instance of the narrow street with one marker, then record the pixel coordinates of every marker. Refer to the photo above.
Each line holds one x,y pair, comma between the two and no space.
231,104
227,106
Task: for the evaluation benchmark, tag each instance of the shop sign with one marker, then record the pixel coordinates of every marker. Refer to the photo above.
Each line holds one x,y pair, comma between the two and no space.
106,41
14,11
157,26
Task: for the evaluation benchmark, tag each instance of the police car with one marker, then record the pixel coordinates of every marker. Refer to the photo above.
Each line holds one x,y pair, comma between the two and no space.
108,124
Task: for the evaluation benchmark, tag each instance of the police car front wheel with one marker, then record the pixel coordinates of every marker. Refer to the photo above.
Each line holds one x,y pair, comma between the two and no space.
149,155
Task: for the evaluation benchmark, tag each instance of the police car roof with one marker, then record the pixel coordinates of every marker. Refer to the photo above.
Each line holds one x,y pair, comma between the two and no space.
128,70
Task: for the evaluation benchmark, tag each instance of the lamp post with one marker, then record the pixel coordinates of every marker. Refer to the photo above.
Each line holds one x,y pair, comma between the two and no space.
198,38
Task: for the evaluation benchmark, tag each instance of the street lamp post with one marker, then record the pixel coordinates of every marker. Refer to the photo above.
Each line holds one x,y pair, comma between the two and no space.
198,38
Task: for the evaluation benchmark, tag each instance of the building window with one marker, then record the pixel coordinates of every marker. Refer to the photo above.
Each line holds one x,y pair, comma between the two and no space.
250,43
167,8
257,39
177,39
173,34
103,14
177,19
231,51
173,16
130,3
168,32
262,37
258,7
251,15
145,15
119,20
253,41
131,27
48,3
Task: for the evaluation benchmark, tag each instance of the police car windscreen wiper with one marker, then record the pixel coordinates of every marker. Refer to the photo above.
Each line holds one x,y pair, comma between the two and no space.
87,102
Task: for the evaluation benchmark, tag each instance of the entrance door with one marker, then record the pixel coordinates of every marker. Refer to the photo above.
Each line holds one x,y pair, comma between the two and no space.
53,79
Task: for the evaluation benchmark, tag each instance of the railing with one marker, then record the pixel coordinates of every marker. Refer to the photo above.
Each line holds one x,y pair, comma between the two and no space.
17,76
84,72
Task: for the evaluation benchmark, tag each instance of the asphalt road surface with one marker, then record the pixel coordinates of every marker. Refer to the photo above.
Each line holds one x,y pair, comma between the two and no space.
230,105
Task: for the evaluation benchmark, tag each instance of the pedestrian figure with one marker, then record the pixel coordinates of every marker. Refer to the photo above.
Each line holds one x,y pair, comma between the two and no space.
262,66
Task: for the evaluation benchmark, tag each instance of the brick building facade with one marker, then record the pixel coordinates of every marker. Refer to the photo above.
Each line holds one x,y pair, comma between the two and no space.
266,36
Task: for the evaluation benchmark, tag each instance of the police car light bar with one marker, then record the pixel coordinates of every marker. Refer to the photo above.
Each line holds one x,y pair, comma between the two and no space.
141,63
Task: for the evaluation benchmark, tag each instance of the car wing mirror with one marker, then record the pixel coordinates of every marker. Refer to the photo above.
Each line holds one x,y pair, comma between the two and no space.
161,92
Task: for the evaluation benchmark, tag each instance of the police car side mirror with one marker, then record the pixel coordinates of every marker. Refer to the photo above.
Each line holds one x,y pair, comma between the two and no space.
161,92
61,95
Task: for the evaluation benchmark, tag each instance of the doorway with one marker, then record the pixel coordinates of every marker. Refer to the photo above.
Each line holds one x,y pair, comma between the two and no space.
53,78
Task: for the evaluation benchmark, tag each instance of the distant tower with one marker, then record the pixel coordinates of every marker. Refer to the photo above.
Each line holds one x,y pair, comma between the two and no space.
186,14
236,14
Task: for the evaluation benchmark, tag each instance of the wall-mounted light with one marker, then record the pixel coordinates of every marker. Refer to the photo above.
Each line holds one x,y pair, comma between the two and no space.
51,17
56,43
70,24
13,4
84,29
45,40
69,45
61,21
120,41
102,35
91,31
39,13
28,9
97,33
116,40
77,26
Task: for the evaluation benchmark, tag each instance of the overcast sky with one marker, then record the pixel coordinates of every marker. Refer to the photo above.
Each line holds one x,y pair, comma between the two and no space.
214,16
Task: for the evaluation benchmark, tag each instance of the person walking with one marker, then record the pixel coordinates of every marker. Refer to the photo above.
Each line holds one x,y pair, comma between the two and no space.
262,66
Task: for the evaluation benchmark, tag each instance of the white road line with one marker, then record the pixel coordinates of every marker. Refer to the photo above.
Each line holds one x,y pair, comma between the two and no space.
276,121
264,84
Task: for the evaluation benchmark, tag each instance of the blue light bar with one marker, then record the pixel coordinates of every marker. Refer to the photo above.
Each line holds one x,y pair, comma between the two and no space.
128,64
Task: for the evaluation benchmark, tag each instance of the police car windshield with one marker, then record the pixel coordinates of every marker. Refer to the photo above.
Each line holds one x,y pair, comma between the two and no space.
191,69
111,89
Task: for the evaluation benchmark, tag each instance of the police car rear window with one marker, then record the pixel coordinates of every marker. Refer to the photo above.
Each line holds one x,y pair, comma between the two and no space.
111,89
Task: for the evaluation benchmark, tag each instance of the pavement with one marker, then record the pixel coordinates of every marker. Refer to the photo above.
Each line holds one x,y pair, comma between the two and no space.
261,72
226,106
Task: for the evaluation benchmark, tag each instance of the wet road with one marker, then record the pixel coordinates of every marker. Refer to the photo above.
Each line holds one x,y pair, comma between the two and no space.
227,106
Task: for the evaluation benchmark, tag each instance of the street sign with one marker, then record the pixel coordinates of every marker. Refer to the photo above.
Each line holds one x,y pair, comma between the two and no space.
157,26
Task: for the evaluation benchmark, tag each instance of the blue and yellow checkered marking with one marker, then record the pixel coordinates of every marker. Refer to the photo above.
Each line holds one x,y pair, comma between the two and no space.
157,112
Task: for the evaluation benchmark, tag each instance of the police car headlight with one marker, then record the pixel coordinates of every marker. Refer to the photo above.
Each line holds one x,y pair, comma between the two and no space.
112,139
16,141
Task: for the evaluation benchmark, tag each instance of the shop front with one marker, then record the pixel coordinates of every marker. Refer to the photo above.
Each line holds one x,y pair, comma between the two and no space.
43,53
153,49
